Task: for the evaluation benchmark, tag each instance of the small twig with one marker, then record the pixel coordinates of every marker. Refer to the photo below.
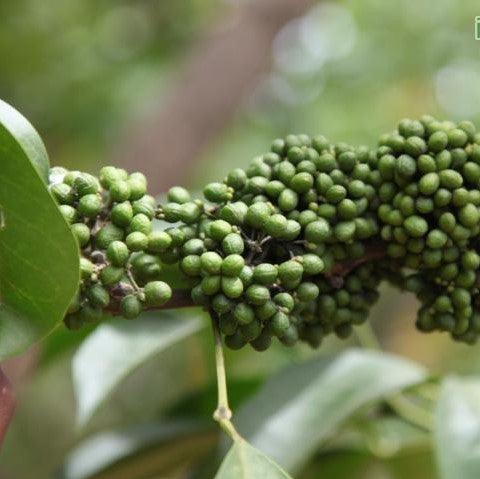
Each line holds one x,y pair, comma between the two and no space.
134,284
181,298
223,413
343,268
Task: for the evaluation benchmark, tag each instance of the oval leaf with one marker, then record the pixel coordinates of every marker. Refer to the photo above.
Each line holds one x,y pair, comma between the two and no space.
245,462
39,270
298,409
457,432
114,350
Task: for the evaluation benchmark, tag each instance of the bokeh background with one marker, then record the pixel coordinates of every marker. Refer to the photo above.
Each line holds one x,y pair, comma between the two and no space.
185,91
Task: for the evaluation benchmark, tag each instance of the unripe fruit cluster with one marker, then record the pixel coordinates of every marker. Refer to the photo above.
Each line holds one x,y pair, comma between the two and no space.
111,218
264,247
430,218
282,249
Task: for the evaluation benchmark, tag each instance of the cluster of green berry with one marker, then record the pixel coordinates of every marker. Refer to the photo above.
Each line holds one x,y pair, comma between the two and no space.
430,218
111,217
265,244
296,245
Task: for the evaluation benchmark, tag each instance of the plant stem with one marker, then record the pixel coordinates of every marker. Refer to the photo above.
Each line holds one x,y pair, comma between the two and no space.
223,413
403,406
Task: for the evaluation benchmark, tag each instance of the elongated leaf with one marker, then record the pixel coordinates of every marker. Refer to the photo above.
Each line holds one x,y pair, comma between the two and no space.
297,410
39,270
458,429
151,450
245,462
114,350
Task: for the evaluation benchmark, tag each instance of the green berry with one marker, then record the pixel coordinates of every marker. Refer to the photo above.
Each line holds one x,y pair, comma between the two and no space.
211,262
429,184
279,324
233,265
120,191
450,179
130,307
159,241
276,225
111,275
157,293
221,304
318,231
307,292
137,241
234,213
86,268
438,141
285,300
232,287
141,223
122,214
312,264
416,226
233,244
469,215
218,229
243,313
191,265
81,232
217,192
265,274
107,234
257,294
177,194
258,214
211,285
405,166
90,205
98,296
118,253
237,179
290,271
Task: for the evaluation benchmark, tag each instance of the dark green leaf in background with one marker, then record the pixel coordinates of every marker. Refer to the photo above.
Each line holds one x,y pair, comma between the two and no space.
39,270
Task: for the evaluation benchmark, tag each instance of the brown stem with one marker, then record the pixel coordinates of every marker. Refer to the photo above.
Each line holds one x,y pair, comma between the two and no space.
181,298
222,70
343,268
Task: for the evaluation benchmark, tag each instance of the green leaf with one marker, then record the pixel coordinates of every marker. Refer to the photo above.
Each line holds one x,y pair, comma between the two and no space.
457,432
116,349
145,450
245,462
39,270
302,406
382,437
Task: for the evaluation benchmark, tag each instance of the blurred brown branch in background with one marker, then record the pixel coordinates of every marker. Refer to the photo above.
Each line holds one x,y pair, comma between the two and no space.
216,77
7,405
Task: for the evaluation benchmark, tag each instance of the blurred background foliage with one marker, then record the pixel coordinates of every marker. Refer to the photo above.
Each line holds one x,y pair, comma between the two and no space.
86,72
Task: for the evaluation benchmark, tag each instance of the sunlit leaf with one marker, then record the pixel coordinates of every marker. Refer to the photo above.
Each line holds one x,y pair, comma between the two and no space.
39,270
115,349
458,429
245,462
302,406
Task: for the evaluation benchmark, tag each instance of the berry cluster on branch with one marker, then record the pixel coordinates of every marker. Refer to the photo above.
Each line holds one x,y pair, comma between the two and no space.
295,246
